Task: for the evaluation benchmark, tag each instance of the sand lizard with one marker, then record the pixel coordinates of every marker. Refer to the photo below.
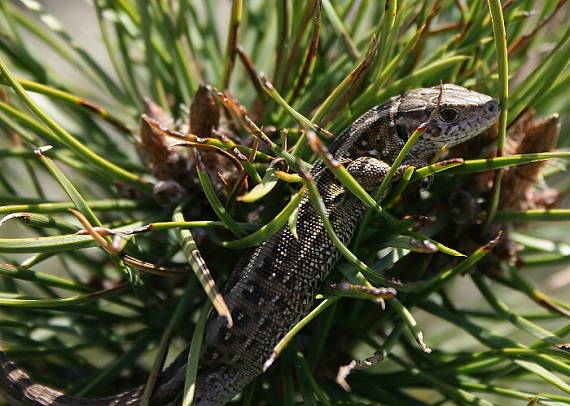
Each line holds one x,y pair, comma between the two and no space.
273,287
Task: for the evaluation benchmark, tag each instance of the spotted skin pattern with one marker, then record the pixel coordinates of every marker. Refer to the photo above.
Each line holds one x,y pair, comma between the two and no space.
275,284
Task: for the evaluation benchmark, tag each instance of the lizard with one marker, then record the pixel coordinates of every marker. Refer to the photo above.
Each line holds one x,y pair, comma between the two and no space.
273,286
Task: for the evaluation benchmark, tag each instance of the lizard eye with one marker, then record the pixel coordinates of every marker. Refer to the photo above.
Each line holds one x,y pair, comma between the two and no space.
448,114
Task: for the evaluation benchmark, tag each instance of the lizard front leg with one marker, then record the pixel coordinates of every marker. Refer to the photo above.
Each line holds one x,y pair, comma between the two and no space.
369,171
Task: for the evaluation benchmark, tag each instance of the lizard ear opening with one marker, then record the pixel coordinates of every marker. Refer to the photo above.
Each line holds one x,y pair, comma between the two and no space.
402,133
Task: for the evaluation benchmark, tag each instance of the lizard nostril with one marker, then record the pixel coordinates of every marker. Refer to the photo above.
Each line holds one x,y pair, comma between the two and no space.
493,106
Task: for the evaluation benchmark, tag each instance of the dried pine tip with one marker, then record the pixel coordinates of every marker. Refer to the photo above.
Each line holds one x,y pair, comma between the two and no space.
345,370
270,361
342,374
137,230
452,161
381,292
323,131
420,340
102,231
422,126
489,246
41,150
118,242
24,216
151,268
380,302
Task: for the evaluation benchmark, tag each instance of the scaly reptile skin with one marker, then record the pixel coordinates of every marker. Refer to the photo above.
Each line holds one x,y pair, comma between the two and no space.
276,284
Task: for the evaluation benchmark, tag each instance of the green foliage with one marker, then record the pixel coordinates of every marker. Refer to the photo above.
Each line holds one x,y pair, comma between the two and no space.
102,317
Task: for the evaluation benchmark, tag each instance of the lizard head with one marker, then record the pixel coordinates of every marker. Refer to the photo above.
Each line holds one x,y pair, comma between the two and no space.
460,115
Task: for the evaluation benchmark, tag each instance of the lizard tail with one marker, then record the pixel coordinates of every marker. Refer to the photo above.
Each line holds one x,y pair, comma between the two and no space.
20,390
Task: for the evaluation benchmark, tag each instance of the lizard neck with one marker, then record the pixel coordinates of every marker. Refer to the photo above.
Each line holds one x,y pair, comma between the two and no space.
374,134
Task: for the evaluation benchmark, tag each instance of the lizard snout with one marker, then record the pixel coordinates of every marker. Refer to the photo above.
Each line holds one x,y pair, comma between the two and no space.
493,107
